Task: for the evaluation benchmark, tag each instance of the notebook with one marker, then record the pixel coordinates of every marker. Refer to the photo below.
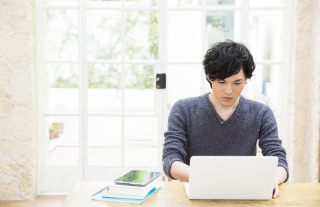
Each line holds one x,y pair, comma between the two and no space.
98,196
131,190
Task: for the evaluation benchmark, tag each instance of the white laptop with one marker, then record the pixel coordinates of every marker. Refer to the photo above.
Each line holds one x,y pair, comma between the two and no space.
231,177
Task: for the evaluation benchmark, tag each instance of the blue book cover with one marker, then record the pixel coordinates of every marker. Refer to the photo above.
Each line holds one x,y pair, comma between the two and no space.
98,196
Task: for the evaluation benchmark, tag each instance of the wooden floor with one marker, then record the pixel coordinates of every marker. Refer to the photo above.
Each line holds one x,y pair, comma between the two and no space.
40,201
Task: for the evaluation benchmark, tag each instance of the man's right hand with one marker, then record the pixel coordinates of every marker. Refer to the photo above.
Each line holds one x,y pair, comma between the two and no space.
180,171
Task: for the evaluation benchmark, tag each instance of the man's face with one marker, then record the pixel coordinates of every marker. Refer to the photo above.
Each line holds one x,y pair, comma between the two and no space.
227,91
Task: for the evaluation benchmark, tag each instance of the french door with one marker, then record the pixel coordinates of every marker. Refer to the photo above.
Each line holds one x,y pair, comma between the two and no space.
100,60
101,113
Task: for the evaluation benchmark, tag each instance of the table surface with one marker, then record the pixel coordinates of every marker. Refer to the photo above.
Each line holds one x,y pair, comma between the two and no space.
174,194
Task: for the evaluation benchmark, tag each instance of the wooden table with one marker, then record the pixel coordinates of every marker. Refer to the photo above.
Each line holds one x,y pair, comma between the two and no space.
173,194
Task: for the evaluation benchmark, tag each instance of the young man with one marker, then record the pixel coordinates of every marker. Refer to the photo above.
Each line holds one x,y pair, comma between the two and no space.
222,123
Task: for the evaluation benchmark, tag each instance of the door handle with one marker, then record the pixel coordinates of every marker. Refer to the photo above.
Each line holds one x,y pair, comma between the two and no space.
154,78
160,80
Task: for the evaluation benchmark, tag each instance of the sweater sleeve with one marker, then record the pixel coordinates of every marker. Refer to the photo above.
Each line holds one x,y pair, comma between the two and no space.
269,142
175,139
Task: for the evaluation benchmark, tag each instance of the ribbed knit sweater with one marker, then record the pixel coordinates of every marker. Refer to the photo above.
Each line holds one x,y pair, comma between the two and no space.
194,129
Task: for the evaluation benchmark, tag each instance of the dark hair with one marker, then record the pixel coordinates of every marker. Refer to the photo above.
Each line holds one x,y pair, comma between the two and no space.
224,59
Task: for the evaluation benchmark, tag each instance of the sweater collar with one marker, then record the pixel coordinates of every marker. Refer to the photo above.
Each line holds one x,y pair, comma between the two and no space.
233,116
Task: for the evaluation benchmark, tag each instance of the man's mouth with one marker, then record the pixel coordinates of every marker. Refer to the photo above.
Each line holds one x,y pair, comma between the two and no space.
227,98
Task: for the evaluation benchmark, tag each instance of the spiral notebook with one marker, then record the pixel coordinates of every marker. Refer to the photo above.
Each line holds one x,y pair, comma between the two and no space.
98,196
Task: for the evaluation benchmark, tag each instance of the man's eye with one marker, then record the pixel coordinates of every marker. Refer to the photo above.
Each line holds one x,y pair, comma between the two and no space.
237,83
221,82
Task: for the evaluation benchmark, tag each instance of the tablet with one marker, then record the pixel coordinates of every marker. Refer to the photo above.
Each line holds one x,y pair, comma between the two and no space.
137,178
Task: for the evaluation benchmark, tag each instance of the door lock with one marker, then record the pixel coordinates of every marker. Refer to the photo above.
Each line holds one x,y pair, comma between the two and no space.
160,80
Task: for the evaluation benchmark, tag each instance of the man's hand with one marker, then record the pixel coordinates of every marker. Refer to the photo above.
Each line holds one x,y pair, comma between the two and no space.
180,171
276,188
281,176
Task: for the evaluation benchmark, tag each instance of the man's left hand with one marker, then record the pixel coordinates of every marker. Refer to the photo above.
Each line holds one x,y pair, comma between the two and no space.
276,189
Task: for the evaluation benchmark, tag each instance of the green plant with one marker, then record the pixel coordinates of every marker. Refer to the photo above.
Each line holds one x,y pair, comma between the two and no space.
51,129
55,128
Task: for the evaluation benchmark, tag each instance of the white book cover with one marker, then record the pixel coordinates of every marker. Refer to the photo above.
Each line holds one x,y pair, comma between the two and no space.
130,190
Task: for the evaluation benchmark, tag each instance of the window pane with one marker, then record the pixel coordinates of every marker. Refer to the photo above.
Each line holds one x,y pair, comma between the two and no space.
142,3
62,140
139,90
104,92
265,35
61,2
266,3
142,35
104,141
62,81
141,141
185,36
61,34
265,86
223,3
222,25
184,3
104,34
111,3
183,81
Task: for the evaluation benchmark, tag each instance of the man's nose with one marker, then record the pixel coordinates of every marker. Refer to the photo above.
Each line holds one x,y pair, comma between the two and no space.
228,90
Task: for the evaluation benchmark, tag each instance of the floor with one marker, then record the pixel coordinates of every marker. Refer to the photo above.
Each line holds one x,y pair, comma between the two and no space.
40,201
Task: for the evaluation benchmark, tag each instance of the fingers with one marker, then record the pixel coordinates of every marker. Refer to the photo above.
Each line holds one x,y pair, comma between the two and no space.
275,191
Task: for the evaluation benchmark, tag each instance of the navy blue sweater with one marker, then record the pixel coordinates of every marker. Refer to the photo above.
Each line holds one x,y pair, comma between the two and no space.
194,129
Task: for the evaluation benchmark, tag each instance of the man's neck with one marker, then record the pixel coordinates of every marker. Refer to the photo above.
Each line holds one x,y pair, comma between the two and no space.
220,107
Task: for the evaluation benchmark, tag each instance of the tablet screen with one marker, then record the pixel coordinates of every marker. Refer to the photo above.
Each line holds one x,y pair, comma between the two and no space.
138,176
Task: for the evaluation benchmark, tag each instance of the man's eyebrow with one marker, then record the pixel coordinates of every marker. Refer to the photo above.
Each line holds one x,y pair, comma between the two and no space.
238,80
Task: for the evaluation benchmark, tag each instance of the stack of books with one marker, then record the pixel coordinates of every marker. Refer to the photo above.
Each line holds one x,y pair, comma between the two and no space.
127,194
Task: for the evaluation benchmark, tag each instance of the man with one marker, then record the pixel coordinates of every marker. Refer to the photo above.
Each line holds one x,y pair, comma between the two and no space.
222,123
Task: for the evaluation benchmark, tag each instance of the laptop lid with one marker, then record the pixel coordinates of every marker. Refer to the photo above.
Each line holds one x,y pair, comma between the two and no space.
232,177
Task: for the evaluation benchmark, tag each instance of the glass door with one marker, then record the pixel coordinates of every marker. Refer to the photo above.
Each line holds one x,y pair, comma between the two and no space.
191,27
60,92
102,112
123,116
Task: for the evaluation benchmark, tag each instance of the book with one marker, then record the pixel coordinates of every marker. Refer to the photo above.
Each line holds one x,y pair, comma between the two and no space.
98,196
106,194
130,190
